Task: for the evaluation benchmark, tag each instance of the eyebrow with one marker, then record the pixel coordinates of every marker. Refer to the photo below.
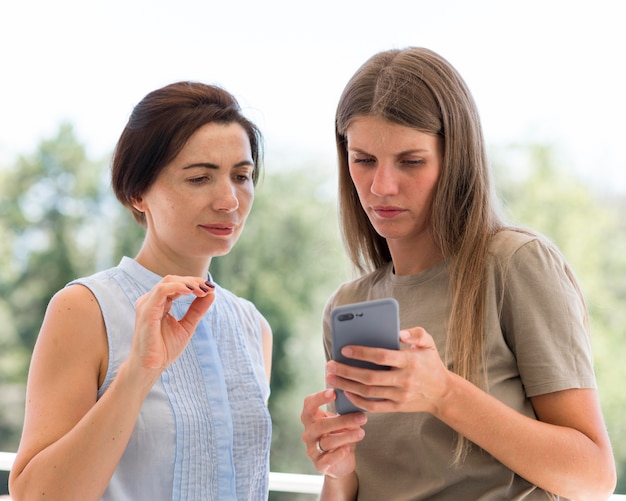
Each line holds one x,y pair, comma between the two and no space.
407,152
208,165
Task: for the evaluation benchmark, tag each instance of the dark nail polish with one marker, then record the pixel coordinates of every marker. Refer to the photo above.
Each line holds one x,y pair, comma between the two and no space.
203,288
210,284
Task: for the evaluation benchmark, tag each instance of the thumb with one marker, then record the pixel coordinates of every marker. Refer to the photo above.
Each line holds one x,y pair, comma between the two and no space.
196,311
416,337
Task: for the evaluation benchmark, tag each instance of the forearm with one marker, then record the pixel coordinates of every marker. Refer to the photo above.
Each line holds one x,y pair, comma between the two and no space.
559,459
79,465
339,489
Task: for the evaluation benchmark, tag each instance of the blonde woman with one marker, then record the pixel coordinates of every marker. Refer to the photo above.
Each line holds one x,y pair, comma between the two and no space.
493,395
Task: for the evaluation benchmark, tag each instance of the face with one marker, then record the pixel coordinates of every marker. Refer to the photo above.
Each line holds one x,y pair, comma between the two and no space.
395,171
198,204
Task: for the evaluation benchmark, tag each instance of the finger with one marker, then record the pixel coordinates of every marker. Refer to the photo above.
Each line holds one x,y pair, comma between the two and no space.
338,374
416,337
378,356
330,442
196,311
162,295
197,285
312,404
328,458
333,432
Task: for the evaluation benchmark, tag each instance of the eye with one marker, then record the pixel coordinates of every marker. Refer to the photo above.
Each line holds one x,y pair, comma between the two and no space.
363,160
242,178
243,175
198,180
413,161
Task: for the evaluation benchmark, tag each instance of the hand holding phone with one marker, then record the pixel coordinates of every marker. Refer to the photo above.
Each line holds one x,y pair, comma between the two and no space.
370,323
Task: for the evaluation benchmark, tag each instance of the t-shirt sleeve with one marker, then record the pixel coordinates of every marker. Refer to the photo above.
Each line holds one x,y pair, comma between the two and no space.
544,321
326,328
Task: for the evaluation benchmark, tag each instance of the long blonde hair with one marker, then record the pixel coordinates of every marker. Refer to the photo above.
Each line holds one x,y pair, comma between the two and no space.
417,88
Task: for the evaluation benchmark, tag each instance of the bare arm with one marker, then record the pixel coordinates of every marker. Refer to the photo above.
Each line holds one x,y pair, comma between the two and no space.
266,333
566,451
72,443
339,489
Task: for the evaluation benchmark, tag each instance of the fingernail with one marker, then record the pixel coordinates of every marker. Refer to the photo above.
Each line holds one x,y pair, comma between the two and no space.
331,368
346,352
210,284
190,287
203,288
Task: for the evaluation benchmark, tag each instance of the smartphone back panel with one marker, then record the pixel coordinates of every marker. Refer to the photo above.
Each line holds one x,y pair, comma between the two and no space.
371,323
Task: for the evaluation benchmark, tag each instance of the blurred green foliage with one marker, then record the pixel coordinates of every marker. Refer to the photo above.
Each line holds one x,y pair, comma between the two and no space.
59,220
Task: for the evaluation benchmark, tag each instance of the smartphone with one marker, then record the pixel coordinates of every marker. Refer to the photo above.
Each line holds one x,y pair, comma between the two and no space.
370,323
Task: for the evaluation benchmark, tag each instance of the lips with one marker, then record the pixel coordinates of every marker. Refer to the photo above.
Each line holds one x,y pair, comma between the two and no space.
387,212
220,229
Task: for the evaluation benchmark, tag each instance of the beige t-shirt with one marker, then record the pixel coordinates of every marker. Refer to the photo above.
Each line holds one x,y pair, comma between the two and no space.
537,344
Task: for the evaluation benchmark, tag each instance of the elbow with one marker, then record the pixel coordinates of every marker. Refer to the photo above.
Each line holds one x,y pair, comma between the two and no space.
603,486
15,486
609,483
607,478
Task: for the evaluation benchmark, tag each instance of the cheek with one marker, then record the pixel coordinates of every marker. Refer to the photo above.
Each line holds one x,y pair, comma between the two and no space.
359,180
246,198
167,209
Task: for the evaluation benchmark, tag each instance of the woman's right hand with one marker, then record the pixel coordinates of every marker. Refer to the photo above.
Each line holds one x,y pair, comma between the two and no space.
331,439
159,338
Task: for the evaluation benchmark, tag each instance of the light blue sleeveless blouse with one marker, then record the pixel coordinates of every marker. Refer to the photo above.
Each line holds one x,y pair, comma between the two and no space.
204,431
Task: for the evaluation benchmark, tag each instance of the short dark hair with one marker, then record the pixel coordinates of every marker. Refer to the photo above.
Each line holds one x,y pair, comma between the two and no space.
159,127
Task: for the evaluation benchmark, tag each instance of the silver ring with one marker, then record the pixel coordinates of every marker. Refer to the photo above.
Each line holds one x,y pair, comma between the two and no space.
318,446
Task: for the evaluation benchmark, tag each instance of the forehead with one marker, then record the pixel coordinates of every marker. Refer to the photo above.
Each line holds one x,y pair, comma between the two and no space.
370,132
217,134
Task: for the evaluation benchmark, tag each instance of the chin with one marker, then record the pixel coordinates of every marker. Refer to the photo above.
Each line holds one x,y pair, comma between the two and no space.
221,250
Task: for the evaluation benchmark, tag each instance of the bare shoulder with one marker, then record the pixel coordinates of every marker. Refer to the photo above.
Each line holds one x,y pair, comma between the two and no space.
73,328
72,302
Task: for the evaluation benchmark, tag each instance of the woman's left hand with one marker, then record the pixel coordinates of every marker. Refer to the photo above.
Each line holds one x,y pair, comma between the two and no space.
417,377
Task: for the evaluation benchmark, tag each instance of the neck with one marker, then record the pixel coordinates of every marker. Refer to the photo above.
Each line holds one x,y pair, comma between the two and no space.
164,264
411,258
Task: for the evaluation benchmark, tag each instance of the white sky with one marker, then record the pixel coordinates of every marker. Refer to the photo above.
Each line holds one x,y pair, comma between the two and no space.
540,70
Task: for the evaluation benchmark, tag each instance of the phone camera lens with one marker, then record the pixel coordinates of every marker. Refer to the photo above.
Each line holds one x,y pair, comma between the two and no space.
345,316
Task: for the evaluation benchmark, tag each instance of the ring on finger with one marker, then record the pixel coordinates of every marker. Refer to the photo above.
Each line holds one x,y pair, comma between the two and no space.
319,447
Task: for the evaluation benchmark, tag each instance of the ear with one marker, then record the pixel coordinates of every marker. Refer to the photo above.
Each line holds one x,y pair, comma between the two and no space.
137,203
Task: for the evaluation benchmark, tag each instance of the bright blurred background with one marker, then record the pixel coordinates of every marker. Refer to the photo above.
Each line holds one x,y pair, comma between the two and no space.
548,78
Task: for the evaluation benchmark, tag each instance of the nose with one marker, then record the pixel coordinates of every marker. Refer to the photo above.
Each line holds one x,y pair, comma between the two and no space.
226,199
384,182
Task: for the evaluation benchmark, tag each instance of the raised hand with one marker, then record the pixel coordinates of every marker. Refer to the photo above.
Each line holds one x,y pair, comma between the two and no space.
159,337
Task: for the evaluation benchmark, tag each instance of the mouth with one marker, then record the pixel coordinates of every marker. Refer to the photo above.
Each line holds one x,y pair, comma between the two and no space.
387,212
219,229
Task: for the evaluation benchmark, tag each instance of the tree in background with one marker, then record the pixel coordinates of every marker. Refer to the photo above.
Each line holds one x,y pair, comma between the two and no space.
49,227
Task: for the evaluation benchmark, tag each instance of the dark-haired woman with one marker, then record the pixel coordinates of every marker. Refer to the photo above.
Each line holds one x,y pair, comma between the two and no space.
149,381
